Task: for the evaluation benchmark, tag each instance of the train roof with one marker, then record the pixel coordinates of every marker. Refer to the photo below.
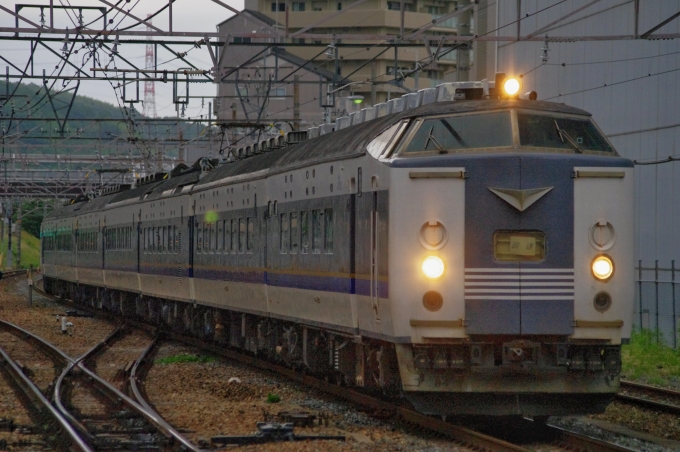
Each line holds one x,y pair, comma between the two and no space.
345,143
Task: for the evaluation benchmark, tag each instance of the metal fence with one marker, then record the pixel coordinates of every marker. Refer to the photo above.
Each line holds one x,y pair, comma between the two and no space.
656,301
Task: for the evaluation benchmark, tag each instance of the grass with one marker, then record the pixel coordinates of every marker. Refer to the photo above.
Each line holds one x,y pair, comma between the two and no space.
273,398
30,251
184,358
645,359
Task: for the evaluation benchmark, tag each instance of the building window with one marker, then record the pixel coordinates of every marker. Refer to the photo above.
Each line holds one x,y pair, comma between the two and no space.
317,222
396,6
278,92
283,233
328,231
339,6
240,40
298,6
281,7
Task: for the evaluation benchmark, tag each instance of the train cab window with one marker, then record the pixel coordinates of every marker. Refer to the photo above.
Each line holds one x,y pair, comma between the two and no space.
562,133
382,145
304,232
328,231
284,231
294,233
456,133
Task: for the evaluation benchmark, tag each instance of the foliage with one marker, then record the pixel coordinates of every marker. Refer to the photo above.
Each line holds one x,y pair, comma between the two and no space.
650,361
30,250
185,358
32,215
273,398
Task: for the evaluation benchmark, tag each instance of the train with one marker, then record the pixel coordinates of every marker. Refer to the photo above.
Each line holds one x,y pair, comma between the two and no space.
463,247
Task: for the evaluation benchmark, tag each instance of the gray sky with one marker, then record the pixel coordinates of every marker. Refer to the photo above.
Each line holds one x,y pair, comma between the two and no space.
188,15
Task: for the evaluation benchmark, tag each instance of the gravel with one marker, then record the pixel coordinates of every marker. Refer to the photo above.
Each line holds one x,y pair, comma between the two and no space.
585,427
197,398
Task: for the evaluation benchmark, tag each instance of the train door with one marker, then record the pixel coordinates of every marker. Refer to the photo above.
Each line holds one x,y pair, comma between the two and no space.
139,240
103,243
547,285
374,255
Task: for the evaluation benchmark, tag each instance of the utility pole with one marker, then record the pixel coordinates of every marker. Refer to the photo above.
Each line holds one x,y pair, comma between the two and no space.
296,102
18,228
9,235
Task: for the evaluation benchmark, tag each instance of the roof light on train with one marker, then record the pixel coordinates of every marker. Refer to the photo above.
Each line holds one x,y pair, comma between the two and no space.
433,267
511,86
602,268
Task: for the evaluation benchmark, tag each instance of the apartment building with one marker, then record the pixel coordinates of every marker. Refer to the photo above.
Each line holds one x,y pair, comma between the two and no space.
328,64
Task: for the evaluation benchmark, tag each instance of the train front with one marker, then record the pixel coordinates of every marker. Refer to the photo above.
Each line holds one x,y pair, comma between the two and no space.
511,258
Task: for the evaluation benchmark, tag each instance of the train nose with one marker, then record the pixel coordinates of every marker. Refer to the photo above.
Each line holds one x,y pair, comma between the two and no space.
519,246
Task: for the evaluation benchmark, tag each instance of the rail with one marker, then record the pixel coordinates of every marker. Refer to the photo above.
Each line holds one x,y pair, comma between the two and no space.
41,403
662,393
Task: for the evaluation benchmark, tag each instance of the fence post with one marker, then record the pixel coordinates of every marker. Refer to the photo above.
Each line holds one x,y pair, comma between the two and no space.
675,319
656,297
640,289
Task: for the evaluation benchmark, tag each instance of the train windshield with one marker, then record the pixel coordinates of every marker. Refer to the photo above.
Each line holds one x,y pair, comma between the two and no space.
564,133
453,133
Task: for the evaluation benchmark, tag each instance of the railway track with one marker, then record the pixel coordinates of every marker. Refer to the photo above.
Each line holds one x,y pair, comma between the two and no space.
557,438
91,413
652,397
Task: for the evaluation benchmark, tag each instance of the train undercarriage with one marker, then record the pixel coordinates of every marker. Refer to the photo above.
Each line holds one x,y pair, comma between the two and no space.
483,376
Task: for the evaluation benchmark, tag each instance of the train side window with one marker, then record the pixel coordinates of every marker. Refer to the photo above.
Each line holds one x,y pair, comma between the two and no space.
176,238
328,231
317,221
241,234
284,233
219,245
250,233
293,232
199,238
304,232
232,234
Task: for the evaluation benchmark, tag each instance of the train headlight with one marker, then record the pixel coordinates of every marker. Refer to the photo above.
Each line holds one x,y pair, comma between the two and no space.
602,268
433,267
511,86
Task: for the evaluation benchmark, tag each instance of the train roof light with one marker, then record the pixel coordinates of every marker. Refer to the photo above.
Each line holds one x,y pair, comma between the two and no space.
511,86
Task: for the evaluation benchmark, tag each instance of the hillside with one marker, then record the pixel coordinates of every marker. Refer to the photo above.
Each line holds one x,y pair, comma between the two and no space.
31,100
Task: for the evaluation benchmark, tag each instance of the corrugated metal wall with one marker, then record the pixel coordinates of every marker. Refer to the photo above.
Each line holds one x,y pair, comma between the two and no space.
631,86
641,116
